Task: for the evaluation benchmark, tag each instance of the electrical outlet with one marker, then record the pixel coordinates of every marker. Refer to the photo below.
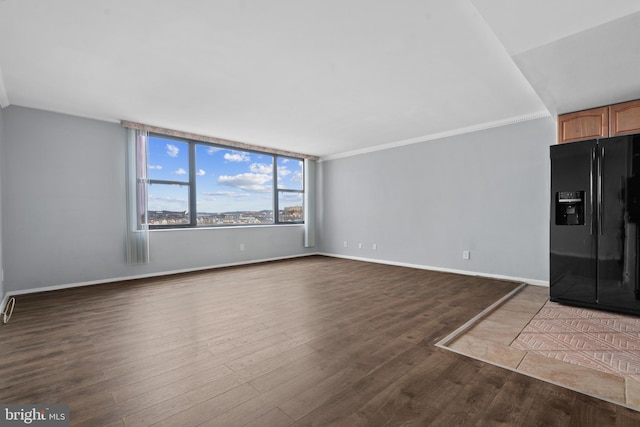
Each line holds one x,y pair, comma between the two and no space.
242,246
345,244
359,245
374,246
466,255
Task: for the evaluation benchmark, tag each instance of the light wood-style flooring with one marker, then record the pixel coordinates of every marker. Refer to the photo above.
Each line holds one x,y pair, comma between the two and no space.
307,341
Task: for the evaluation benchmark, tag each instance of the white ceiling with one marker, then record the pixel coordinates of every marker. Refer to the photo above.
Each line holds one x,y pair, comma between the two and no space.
318,77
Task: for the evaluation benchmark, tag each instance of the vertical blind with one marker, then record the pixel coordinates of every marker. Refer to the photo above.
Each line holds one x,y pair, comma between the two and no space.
309,203
136,182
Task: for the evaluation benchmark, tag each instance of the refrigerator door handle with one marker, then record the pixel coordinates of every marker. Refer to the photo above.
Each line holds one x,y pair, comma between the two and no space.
600,194
591,185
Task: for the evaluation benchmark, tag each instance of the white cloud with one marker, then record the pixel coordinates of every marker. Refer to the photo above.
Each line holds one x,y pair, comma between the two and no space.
180,172
172,150
283,171
237,156
212,150
230,194
201,172
287,178
170,199
295,198
253,182
261,168
156,167
166,203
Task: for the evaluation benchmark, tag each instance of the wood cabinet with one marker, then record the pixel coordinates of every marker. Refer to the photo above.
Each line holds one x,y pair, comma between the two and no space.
624,118
601,122
587,124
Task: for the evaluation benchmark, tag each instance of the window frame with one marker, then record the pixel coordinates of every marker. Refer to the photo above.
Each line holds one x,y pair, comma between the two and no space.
277,191
192,185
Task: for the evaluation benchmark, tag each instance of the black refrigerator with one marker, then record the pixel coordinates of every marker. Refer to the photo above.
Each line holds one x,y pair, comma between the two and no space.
595,212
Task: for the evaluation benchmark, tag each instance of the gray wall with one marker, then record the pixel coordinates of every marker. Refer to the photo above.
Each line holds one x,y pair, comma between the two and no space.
1,205
63,204
64,208
423,204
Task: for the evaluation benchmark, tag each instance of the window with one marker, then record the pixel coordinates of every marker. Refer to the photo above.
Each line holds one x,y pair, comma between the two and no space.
169,189
195,184
290,181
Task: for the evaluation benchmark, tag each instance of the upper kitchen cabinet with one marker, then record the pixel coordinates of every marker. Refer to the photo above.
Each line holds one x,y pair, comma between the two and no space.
624,118
602,122
587,124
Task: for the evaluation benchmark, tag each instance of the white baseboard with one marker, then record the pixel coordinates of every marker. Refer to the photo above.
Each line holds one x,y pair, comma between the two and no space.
139,276
535,282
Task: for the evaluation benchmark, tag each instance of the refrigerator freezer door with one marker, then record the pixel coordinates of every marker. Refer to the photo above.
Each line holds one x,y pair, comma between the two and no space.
618,234
573,247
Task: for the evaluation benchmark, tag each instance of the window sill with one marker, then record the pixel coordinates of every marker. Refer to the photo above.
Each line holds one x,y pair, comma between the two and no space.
225,227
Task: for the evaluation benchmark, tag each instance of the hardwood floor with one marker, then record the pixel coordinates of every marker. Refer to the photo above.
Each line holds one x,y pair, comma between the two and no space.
309,341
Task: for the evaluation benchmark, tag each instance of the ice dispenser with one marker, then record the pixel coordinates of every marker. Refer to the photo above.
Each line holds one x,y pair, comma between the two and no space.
570,208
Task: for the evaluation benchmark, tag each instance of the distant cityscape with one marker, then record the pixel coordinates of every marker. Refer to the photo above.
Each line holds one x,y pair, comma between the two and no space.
288,214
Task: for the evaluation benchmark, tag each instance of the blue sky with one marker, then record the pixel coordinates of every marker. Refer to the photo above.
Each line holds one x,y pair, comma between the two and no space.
226,180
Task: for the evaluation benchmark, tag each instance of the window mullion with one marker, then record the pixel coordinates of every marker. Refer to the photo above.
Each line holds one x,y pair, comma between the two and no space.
276,209
193,220
167,182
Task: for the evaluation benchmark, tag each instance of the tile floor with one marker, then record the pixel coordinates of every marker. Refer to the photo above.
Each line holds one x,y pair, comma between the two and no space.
590,351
